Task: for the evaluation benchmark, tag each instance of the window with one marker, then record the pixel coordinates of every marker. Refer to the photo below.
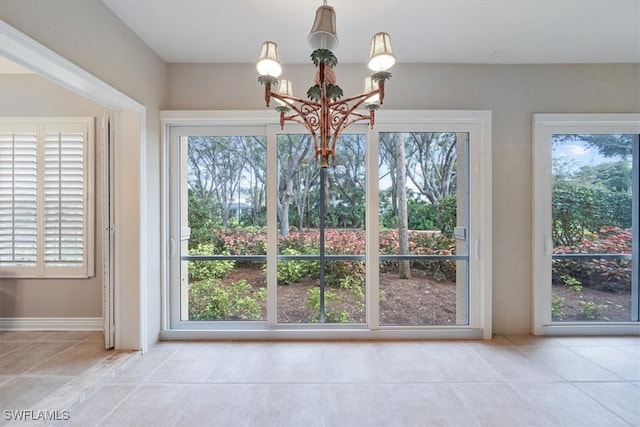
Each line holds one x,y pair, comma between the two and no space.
46,211
249,254
586,223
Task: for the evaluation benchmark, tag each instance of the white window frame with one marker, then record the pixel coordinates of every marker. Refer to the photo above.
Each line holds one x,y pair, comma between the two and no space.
476,123
41,127
544,127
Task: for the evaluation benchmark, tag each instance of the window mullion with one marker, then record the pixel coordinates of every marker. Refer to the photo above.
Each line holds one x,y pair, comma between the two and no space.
635,238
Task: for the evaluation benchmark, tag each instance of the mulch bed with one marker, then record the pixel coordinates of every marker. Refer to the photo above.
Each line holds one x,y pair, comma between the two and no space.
419,300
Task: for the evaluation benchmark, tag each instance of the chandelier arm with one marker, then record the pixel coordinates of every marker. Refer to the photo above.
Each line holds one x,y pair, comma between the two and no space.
362,97
345,111
292,99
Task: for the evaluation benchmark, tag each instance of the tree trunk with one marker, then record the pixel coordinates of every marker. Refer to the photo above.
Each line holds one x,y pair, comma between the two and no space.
403,218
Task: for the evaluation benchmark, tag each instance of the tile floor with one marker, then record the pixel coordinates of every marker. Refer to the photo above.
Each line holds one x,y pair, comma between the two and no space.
509,381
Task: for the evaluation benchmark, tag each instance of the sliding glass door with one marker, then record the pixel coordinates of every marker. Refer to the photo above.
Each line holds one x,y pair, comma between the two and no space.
586,223
263,239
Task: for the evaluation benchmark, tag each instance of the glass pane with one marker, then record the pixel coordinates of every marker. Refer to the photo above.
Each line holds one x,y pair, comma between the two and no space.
309,292
223,248
423,217
592,226
591,290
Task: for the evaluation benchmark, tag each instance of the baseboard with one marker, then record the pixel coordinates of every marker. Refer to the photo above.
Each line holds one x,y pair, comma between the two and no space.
51,324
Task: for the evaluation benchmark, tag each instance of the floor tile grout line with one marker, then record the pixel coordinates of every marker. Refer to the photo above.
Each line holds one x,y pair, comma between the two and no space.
106,373
120,403
595,362
597,402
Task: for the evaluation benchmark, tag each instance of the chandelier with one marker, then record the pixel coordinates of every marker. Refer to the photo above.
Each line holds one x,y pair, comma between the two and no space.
325,113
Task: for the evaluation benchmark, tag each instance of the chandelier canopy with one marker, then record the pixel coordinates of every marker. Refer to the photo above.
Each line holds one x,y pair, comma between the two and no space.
325,113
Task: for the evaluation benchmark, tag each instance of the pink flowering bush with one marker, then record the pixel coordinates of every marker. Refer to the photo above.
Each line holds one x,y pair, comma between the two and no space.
238,241
607,274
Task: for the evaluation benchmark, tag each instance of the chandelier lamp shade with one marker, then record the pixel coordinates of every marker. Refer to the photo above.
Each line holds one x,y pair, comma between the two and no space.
325,113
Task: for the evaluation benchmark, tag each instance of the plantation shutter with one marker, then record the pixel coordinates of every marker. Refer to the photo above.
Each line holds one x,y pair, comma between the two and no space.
64,203
18,197
46,214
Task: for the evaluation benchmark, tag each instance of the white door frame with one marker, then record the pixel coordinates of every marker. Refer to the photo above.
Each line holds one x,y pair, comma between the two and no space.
130,117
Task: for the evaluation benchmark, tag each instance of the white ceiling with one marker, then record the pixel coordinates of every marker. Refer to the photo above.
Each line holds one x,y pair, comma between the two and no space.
422,31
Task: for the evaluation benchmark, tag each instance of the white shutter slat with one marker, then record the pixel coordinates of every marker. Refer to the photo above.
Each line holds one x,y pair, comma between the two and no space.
64,189
18,192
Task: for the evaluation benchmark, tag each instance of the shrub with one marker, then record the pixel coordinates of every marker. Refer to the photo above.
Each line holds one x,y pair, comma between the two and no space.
435,244
606,274
572,283
209,300
293,271
557,307
338,273
592,311
446,210
333,316
207,270
578,210
239,241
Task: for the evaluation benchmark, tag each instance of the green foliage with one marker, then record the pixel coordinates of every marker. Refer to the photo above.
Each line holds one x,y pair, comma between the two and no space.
238,241
382,296
434,243
592,311
267,80
314,93
612,275
446,213
381,76
334,92
209,300
422,215
293,271
324,56
572,283
202,220
557,307
577,210
615,177
594,196
608,145
242,241
207,270
333,316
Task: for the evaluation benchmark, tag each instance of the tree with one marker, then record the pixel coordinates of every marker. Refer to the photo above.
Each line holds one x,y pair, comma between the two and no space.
306,177
216,168
587,198
614,176
403,219
388,159
608,145
347,178
254,151
293,151
431,164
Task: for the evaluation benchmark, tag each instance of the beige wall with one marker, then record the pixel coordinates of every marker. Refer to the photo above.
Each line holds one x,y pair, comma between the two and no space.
89,35
512,92
31,95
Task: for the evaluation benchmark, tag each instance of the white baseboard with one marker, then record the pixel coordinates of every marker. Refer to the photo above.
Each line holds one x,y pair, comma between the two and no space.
51,324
